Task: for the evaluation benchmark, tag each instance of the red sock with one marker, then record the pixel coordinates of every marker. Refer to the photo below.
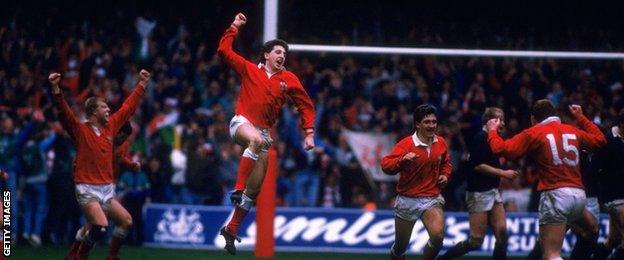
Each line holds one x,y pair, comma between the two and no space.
237,219
73,251
245,167
83,252
113,249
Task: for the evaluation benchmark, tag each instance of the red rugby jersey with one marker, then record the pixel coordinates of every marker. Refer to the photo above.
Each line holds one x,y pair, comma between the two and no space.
419,178
555,149
261,97
94,153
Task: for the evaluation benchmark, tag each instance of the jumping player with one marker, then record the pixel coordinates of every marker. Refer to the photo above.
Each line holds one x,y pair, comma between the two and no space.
265,87
93,165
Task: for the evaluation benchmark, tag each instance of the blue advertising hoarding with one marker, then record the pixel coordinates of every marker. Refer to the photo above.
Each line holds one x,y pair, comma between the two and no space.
328,230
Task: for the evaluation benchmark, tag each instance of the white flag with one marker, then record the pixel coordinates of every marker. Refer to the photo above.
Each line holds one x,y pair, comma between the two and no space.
369,148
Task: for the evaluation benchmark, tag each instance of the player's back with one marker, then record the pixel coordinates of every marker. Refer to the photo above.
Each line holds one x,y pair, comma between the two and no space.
555,147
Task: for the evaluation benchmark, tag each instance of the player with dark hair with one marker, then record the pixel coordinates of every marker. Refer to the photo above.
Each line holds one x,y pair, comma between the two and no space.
423,161
265,87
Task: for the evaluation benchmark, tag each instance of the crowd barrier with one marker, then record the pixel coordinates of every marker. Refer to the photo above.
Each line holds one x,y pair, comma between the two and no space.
326,230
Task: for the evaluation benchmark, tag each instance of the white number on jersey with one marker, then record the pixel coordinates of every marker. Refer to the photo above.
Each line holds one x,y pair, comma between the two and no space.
566,147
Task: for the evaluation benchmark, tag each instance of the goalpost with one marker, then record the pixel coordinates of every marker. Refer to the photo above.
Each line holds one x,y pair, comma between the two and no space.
266,204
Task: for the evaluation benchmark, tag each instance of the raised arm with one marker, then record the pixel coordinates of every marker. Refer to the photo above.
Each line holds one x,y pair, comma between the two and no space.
513,148
227,54
131,103
590,135
66,115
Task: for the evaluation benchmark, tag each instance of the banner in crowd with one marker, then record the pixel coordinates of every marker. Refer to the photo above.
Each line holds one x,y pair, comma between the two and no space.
327,230
369,148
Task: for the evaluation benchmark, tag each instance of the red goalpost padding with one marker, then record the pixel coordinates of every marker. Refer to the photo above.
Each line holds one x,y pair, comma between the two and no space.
265,210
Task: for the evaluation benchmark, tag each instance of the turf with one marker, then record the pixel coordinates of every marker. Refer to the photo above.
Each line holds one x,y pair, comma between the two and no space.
144,253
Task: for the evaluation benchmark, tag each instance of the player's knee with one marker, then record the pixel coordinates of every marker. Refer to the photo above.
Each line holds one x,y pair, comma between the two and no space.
127,222
475,242
256,143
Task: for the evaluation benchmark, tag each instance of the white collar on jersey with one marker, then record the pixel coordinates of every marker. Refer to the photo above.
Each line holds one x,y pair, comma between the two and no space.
550,119
418,142
616,132
262,67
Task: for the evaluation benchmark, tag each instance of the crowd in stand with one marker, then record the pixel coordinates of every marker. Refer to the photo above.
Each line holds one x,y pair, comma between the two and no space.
181,130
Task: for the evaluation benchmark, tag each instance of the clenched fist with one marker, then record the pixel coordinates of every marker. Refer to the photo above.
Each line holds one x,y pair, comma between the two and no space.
144,76
55,80
239,20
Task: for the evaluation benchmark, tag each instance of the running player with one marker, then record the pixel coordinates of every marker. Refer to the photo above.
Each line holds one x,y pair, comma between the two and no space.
423,161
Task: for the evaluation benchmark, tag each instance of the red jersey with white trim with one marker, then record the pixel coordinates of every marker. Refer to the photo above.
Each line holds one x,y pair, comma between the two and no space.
555,149
94,147
262,96
419,178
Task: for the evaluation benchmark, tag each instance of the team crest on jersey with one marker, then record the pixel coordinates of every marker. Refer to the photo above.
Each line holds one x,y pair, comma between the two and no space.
282,86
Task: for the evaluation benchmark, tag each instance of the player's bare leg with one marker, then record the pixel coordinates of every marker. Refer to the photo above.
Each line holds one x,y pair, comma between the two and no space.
551,240
123,219
433,220
498,223
478,225
257,159
249,137
586,230
96,217
402,234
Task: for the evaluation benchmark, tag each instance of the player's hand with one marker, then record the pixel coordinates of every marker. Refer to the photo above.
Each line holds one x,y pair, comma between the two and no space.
308,142
509,174
409,157
494,124
55,80
144,77
442,180
239,20
576,110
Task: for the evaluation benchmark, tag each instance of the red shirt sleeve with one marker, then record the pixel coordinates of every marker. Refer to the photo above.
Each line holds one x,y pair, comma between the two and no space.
513,148
66,116
592,138
127,109
390,163
227,54
303,102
